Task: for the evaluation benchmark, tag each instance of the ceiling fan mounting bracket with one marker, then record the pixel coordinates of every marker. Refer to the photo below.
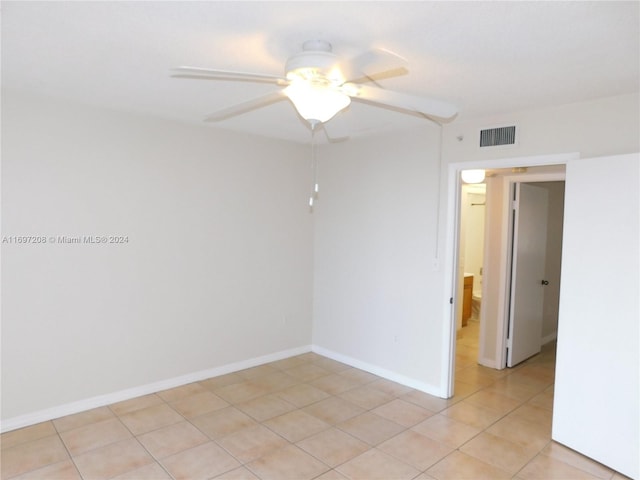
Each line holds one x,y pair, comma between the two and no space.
316,45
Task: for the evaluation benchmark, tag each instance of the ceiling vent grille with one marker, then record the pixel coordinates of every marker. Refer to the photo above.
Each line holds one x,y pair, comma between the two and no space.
493,137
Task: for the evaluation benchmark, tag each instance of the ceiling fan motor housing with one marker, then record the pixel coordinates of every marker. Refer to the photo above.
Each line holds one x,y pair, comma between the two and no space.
316,63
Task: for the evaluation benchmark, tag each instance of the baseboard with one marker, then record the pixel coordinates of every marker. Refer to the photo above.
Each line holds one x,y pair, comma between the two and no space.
102,400
549,338
379,371
489,362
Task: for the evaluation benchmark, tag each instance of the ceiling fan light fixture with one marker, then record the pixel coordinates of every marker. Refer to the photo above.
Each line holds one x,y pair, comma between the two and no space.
316,103
472,176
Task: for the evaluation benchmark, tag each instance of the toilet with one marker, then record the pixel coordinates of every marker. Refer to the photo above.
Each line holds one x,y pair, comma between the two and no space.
476,300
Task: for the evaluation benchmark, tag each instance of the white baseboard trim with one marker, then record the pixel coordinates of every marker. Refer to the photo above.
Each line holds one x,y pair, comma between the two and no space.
549,338
102,400
487,362
379,371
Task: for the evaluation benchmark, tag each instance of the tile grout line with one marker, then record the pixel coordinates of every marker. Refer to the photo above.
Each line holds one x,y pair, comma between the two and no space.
73,461
363,381
484,429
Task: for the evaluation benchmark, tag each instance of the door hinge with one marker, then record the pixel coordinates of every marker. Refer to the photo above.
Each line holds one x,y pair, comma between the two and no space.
509,343
451,301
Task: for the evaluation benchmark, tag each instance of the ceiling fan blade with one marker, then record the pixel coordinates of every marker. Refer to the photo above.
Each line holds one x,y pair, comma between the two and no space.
426,106
207,73
247,106
374,65
337,129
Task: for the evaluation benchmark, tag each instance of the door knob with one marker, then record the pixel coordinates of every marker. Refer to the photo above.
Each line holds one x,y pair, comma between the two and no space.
545,282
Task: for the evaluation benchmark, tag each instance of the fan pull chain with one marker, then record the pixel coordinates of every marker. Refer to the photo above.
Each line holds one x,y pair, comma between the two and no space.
314,167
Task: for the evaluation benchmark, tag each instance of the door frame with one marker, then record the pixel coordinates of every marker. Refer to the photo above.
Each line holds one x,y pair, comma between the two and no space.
452,240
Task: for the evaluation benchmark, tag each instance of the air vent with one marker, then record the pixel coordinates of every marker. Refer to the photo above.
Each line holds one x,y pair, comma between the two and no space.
493,137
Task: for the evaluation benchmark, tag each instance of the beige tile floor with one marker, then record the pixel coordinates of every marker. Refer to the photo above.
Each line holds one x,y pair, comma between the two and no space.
309,417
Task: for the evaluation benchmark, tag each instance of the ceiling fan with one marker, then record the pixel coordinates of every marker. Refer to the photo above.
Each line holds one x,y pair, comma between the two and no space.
320,85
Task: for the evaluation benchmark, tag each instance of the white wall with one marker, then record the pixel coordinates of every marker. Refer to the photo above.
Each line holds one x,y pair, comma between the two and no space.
167,308
377,298
598,363
494,265
471,242
606,126
376,293
218,266
474,234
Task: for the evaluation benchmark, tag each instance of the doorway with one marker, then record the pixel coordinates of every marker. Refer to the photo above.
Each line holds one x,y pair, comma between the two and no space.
535,253
492,335
531,309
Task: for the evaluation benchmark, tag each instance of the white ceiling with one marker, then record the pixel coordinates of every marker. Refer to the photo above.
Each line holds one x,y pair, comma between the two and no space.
487,58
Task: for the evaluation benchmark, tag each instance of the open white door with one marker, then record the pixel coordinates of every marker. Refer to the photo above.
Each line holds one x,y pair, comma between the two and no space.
527,272
596,398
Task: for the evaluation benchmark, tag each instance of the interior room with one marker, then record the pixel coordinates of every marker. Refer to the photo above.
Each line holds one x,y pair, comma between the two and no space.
202,279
